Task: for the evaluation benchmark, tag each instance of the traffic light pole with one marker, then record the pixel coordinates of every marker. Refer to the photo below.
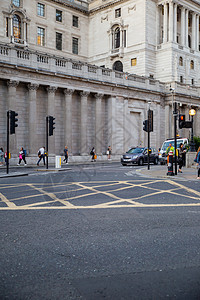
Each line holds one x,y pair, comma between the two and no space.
175,139
47,141
7,159
148,150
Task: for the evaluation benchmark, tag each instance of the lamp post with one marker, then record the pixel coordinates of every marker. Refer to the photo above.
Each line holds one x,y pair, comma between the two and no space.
192,113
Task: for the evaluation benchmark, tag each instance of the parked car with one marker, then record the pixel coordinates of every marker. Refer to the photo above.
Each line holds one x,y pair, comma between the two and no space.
165,145
139,156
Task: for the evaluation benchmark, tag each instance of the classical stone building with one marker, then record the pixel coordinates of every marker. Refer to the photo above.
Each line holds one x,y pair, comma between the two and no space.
97,67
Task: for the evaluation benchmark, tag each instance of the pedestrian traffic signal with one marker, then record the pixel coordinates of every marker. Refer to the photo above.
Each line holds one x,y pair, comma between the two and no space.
145,125
13,121
181,121
51,125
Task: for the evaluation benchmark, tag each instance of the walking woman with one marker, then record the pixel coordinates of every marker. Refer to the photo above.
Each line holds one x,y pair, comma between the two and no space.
22,156
181,157
1,156
198,163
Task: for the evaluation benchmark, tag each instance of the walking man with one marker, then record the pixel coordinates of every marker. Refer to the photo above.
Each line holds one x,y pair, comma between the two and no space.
41,155
66,155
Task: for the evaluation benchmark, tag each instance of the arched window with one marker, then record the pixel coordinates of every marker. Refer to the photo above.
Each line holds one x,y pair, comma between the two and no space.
180,61
192,64
118,66
117,38
17,28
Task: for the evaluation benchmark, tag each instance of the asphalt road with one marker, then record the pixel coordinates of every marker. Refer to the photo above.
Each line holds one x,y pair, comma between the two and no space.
99,232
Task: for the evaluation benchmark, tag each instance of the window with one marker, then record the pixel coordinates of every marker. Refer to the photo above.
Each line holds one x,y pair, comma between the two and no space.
75,21
118,66
17,28
192,81
58,15
40,10
117,38
181,79
40,36
74,45
192,64
7,26
118,13
180,61
58,41
133,62
16,3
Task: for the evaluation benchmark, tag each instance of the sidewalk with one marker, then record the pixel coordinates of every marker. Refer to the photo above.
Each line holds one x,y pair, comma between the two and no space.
161,172
15,171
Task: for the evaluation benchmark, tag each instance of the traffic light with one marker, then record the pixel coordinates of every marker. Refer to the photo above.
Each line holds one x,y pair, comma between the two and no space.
145,127
51,125
150,118
13,121
181,121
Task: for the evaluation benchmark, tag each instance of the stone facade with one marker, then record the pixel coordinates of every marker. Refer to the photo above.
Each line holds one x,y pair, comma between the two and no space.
93,105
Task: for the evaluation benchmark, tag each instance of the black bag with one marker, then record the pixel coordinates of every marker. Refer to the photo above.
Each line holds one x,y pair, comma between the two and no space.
91,152
39,153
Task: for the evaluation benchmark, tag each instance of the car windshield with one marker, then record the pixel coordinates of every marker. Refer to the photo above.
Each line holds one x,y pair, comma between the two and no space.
166,144
135,150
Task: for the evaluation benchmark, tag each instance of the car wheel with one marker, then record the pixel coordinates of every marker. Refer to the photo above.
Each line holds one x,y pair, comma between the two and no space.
156,161
140,162
124,164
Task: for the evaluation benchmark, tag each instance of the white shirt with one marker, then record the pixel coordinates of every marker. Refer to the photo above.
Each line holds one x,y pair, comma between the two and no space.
41,151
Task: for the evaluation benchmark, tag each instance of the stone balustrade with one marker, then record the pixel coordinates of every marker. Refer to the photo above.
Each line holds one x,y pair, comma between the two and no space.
61,65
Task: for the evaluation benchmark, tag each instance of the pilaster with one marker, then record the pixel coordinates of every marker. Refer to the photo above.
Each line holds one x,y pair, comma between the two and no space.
165,22
84,110
112,123
193,31
32,112
51,112
68,118
98,127
183,26
171,20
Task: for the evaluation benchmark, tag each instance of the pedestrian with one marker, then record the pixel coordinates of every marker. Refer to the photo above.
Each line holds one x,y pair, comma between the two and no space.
66,155
41,155
5,156
93,154
181,157
22,156
1,156
198,163
170,155
109,151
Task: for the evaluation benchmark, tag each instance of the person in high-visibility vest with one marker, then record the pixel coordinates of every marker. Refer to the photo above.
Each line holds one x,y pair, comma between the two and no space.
170,155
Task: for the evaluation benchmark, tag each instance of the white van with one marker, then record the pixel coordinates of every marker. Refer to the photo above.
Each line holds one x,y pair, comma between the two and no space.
162,157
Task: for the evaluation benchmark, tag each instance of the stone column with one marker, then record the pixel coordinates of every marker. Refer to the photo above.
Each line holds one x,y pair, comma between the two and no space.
197,33
112,123
175,23
171,20
167,122
186,28
84,113
165,22
51,112
32,129
12,105
193,31
99,125
125,125
182,26
68,118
